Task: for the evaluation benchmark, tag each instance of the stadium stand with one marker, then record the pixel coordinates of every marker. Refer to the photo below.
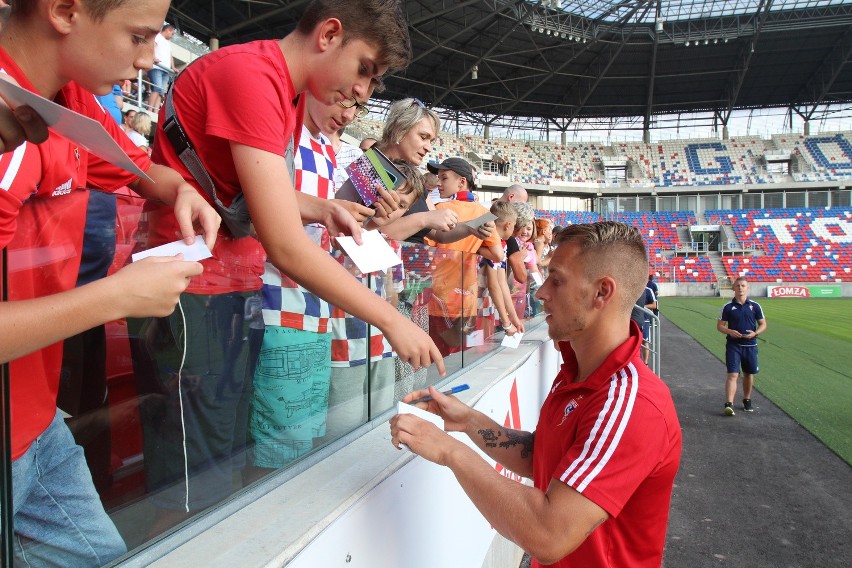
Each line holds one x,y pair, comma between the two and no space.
800,245
659,230
669,163
792,245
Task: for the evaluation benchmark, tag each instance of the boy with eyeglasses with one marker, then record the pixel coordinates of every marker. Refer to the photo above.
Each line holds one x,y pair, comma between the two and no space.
238,111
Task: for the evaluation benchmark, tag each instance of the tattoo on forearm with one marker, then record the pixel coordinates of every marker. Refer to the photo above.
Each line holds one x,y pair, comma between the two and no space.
508,439
489,436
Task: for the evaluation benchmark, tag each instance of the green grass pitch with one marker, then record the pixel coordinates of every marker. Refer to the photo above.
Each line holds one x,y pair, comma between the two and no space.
805,358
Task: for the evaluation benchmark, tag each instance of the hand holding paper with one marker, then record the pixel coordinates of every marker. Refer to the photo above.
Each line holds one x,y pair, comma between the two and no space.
481,220
19,124
374,254
196,251
83,130
512,341
402,408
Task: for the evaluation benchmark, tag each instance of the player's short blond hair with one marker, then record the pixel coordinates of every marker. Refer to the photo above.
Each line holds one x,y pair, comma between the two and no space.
609,248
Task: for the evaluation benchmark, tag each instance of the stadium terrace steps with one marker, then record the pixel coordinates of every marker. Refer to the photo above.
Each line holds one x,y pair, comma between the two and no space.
670,163
799,244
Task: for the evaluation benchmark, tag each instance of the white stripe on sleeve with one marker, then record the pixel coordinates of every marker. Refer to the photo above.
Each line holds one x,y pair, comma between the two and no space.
14,166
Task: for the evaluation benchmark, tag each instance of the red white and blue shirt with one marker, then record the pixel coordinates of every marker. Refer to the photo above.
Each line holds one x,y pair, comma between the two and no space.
286,303
350,344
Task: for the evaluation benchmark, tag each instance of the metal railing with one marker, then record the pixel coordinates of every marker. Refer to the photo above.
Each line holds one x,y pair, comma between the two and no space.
653,340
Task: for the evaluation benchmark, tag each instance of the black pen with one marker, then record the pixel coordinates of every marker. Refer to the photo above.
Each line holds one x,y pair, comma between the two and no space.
453,390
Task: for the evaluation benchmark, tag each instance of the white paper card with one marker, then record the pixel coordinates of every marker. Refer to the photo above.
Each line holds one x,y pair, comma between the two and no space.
475,338
374,254
536,276
512,341
86,132
403,408
481,220
196,251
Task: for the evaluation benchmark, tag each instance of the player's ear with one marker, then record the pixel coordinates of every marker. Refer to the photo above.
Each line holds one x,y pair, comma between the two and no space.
605,291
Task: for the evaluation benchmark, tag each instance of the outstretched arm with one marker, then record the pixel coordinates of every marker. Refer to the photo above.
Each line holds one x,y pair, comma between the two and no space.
275,213
191,210
436,220
492,277
507,300
150,287
549,525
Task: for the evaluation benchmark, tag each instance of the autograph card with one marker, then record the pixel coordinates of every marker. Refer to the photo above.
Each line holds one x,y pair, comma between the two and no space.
374,254
481,220
403,408
81,129
512,341
196,251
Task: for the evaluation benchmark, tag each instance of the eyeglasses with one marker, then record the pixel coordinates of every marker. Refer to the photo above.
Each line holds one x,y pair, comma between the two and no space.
362,111
418,102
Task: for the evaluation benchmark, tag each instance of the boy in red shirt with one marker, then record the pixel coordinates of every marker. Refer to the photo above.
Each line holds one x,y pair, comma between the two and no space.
237,109
57,512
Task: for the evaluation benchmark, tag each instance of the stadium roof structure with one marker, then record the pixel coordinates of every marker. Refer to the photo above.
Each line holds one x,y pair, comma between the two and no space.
493,61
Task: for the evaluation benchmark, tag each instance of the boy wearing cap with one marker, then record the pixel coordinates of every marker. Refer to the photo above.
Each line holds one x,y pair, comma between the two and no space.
452,308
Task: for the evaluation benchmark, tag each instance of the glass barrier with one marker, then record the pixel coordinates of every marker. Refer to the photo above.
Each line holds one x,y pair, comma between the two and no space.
176,415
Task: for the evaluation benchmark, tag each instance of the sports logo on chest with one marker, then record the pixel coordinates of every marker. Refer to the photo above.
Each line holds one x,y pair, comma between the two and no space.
572,405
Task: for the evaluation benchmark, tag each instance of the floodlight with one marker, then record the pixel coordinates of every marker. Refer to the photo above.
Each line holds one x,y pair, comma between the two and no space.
659,25
474,72
686,44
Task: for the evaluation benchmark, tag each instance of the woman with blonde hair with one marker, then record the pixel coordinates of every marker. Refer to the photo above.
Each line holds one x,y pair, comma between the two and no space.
141,131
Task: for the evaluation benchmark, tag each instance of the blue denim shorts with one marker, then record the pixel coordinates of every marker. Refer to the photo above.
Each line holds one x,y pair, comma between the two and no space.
159,80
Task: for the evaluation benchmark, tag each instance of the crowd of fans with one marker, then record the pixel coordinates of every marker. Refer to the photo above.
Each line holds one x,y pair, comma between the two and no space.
278,343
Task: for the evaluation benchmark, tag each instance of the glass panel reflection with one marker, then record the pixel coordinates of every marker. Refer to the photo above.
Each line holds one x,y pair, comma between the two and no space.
177,414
